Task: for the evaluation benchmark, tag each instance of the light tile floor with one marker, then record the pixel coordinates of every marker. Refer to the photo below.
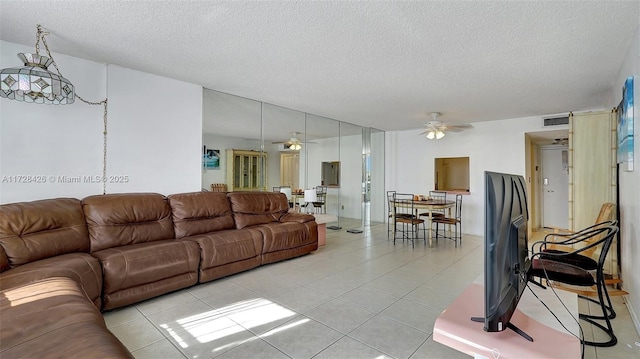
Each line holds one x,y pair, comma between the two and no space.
357,297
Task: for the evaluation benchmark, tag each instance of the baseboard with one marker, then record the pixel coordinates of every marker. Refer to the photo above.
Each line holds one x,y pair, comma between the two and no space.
634,315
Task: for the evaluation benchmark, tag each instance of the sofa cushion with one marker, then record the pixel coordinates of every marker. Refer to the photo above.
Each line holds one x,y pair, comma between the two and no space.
144,270
200,212
52,318
281,236
31,231
252,208
221,248
122,219
81,267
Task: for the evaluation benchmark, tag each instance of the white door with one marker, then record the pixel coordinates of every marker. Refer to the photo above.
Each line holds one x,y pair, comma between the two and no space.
555,186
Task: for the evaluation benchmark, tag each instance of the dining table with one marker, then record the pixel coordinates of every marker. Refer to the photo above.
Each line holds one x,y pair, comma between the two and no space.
429,205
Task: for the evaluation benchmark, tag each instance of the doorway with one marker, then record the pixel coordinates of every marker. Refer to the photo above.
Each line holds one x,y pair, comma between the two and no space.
554,189
290,169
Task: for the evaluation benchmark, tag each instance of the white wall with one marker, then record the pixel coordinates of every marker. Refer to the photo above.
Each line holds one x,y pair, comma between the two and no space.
629,182
491,146
52,141
154,134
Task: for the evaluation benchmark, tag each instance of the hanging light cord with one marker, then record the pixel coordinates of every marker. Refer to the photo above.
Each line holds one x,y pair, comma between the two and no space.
40,36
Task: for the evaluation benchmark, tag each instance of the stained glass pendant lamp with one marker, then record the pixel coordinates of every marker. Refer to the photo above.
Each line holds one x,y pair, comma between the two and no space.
33,82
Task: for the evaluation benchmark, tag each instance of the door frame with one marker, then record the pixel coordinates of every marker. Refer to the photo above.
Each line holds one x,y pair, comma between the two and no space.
540,187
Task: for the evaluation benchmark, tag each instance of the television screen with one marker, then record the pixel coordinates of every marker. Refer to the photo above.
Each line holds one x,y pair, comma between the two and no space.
506,248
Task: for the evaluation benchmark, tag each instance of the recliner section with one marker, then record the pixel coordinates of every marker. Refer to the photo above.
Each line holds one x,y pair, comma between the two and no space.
120,249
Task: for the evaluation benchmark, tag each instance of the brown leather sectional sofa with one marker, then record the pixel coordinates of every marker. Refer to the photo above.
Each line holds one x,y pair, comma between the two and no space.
63,260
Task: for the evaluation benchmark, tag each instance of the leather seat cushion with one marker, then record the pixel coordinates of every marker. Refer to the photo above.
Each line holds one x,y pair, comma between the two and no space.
54,318
575,259
287,235
139,264
225,247
561,272
81,267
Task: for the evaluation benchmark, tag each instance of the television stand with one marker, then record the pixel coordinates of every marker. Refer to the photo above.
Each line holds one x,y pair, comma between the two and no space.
452,327
509,325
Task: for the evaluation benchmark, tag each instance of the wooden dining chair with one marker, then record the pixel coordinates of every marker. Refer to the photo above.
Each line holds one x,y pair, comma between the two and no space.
455,221
404,214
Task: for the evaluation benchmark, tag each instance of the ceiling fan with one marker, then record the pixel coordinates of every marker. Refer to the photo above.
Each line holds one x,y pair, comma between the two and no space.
293,143
436,129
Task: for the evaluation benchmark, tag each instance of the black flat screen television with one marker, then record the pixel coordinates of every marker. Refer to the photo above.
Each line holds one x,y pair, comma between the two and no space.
506,256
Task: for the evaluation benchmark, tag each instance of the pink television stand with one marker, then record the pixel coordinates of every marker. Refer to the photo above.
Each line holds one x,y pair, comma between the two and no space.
454,327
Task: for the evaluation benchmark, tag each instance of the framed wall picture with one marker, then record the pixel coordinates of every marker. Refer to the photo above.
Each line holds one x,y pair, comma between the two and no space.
210,159
625,127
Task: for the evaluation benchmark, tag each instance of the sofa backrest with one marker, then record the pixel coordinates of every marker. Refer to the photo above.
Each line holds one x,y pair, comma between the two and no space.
200,212
30,231
121,219
252,208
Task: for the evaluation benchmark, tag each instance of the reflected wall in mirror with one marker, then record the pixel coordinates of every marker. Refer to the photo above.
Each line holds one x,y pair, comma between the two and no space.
351,174
284,141
231,122
325,133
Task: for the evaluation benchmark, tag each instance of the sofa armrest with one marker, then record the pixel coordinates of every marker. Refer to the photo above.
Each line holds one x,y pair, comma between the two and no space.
297,217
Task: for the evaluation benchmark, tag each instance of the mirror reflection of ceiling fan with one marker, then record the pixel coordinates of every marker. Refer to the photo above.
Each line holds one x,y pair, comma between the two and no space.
293,143
436,129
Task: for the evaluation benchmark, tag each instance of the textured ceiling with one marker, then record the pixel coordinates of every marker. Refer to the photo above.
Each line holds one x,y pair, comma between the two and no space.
381,64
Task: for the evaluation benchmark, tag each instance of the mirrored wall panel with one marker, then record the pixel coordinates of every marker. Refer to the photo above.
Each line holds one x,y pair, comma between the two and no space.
232,154
250,145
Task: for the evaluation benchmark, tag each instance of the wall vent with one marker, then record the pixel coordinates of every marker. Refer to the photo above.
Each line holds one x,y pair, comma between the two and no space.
556,121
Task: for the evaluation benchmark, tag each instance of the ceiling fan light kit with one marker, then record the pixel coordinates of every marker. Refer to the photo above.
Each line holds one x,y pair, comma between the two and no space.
436,129
293,143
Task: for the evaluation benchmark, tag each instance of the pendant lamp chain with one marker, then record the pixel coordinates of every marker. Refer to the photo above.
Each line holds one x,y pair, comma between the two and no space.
40,35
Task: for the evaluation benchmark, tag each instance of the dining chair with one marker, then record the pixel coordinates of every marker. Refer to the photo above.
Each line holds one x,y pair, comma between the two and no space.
321,202
436,196
390,197
404,213
564,275
287,191
455,221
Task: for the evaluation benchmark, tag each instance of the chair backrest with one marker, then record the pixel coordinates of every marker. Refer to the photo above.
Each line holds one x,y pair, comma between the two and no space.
595,239
321,193
458,207
606,215
287,192
390,197
438,195
403,205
